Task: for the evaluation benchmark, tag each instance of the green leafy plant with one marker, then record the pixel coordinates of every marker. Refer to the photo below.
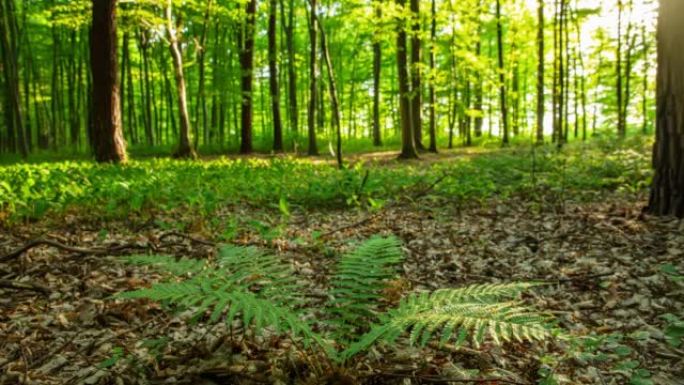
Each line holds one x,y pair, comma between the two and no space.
248,286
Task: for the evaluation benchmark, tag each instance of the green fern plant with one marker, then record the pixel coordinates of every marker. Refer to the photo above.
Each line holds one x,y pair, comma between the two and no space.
243,283
260,290
357,285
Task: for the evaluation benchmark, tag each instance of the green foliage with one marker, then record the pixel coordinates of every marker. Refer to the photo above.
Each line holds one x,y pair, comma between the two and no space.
243,281
32,191
474,312
245,285
358,283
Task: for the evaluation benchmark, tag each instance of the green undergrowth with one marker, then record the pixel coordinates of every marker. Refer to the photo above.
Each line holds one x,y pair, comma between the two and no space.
35,191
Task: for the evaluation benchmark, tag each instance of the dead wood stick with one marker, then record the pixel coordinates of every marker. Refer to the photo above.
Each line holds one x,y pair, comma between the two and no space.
16,285
186,236
446,380
79,250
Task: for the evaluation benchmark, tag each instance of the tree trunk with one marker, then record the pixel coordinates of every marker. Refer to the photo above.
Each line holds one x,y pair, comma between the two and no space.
408,147
416,81
667,191
313,84
433,98
9,50
247,74
621,123
540,74
109,144
273,77
185,147
502,75
377,68
336,116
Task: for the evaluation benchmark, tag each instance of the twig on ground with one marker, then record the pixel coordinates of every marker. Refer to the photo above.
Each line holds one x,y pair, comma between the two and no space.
16,285
78,250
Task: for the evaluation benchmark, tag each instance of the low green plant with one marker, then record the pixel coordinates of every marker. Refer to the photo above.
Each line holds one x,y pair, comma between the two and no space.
244,285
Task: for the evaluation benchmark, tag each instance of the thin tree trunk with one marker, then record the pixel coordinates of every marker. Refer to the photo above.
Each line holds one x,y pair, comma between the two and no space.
185,148
377,69
313,84
540,73
502,75
433,98
273,77
416,75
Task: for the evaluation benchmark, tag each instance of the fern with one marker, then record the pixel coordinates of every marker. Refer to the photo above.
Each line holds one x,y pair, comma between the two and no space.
358,283
244,284
471,313
260,290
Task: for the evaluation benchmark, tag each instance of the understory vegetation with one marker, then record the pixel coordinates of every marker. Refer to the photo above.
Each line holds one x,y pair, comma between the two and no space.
523,265
145,187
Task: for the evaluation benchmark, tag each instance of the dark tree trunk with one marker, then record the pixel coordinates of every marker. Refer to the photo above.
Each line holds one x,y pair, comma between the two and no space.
621,123
109,144
416,81
502,76
313,84
433,98
273,77
377,69
540,74
289,28
667,192
408,147
9,50
247,74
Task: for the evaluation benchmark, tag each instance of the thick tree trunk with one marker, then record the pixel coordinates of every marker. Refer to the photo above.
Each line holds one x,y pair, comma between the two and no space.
667,192
9,50
408,147
109,144
273,77
247,75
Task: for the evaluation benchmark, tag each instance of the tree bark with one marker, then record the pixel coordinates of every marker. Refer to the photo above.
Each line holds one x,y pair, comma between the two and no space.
433,97
408,147
540,73
313,83
185,147
109,144
246,41
273,77
667,191
377,69
502,75
416,81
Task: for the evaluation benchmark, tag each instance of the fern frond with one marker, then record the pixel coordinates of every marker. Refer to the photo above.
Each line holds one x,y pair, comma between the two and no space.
460,314
358,283
249,267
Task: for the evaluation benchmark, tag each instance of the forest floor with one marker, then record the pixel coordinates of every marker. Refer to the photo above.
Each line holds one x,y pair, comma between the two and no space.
612,273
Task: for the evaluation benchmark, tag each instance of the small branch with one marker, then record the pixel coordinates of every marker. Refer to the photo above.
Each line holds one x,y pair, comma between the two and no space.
16,285
446,380
79,250
47,242
188,237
